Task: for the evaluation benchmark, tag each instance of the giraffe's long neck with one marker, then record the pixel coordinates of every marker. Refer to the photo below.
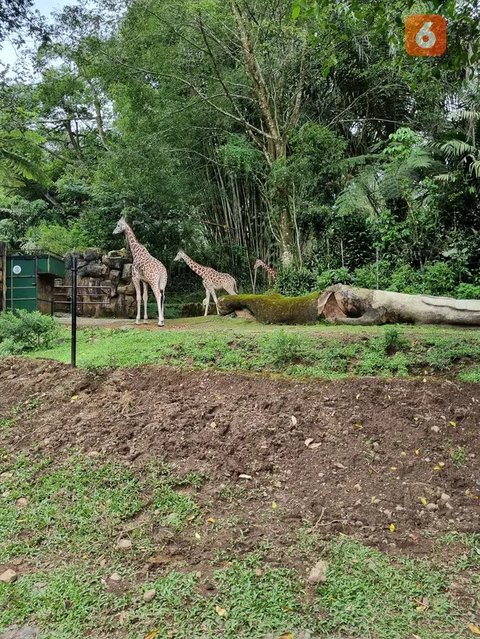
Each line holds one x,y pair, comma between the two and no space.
133,243
267,268
196,268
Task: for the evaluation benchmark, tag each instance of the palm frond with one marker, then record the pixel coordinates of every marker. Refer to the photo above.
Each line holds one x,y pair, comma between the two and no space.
457,149
475,168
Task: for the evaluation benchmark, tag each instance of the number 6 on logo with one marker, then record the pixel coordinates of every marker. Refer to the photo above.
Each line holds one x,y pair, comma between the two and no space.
425,35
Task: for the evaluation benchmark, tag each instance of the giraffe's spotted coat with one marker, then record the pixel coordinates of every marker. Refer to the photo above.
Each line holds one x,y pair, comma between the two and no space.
212,280
146,269
271,272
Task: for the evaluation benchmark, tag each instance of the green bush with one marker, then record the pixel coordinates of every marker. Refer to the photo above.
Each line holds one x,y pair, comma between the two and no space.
393,339
292,281
468,292
284,348
405,279
333,276
438,279
23,331
366,276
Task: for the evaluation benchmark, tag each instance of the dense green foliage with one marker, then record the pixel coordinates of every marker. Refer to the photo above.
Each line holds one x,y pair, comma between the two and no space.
298,132
24,331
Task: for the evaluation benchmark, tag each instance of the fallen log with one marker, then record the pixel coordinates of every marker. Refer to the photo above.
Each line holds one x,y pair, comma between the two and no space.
342,304
361,306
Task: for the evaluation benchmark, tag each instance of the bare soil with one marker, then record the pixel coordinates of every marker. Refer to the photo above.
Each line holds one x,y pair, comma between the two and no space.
351,456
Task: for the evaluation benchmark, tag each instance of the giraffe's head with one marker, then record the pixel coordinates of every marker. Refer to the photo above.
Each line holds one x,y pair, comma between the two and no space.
179,256
258,264
121,226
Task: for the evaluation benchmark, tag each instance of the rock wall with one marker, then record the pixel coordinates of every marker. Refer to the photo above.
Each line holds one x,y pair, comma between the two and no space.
105,286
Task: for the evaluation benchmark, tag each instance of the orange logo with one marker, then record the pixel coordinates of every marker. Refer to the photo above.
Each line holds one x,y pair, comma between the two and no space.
425,35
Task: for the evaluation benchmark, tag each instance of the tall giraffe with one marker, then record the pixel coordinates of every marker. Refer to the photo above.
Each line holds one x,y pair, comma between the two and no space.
146,269
211,279
271,272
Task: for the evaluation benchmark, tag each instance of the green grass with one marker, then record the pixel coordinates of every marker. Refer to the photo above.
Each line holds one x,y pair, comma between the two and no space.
68,603
369,594
77,509
319,353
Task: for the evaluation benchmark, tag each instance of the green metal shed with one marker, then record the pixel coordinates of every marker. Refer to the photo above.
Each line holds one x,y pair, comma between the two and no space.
31,279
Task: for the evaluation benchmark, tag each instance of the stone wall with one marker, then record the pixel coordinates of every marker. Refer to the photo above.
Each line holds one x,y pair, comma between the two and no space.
105,286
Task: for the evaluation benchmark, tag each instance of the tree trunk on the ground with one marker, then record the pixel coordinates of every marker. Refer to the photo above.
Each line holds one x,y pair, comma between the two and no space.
355,306
349,305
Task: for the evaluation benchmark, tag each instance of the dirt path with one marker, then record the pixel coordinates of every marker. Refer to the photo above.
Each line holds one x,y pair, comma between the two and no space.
353,456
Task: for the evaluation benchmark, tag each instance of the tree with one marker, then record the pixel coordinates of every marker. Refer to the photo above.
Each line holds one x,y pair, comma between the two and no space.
14,14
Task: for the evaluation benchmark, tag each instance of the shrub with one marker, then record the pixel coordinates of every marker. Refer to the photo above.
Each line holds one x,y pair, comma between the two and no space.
23,331
468,292
333,276
293,281
283,348
366,276
438,279
393,340
405,279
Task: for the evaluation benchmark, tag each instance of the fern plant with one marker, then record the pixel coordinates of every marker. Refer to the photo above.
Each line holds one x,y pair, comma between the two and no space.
15,163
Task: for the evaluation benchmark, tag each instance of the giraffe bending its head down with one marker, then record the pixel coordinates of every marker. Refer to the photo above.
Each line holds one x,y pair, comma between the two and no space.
146,269
211,279
271,273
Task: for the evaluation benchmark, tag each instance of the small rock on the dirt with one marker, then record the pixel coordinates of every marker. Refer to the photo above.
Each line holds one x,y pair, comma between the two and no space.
444,498
22,502
9,576
124,544
294,420
149,595
318,574
115,577
431,506
243,476
435,429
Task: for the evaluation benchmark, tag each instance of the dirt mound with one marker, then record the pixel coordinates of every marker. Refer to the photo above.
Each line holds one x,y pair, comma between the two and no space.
365,456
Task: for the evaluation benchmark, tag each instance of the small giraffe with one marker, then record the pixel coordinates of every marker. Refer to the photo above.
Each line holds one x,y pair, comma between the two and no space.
271,273
211,279
146,269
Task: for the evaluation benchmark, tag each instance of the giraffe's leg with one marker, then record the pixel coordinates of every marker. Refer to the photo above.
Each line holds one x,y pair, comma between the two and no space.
207,301
145,303
214,295
138,293
160,297
162,293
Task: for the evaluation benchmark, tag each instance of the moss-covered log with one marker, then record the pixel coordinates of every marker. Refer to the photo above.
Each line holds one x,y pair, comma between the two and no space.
273,308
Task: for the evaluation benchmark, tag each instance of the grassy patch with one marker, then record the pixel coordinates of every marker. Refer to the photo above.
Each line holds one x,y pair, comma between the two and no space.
76,506
76,510
369,595
68,603
389,352
79,506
